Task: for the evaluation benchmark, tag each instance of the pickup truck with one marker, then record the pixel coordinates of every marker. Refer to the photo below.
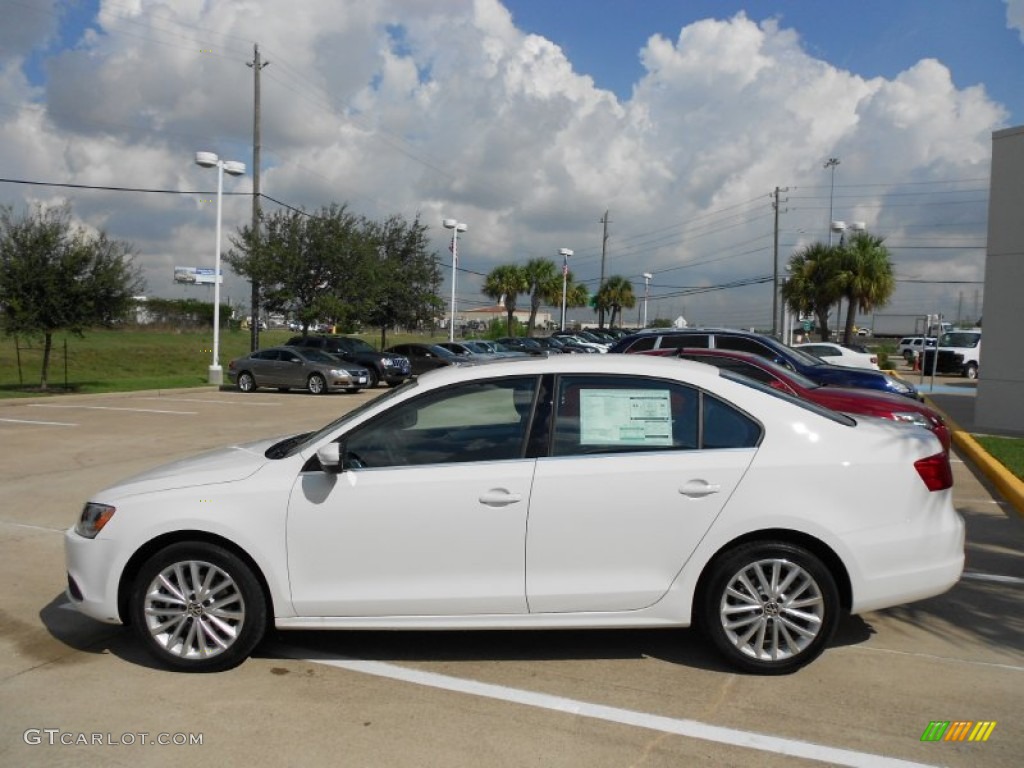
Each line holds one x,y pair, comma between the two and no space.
959,352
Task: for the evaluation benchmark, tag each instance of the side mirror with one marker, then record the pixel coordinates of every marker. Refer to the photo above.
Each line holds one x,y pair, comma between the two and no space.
330,458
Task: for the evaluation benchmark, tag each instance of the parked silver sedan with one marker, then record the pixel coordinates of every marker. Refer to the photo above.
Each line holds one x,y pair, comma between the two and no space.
291,368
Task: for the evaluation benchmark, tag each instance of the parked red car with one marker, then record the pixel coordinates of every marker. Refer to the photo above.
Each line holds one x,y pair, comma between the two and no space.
867,402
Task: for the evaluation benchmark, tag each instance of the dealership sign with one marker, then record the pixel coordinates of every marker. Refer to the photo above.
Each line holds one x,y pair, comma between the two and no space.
196,275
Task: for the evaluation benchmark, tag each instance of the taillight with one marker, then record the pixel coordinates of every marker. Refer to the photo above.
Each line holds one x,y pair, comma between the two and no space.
935,471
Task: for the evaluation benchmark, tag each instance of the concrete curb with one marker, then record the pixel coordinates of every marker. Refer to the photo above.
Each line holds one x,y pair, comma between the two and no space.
1008,484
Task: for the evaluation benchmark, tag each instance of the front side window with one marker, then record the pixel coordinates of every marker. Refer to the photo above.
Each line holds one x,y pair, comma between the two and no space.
743,344
479,421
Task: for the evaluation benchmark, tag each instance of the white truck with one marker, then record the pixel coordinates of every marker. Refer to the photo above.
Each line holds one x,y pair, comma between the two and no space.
959,352
907,325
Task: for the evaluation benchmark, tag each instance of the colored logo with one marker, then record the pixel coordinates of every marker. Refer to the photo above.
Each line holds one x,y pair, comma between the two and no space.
958,730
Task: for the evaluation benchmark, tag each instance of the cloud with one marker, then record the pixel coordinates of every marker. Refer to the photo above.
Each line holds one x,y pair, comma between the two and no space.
1015,16
447,109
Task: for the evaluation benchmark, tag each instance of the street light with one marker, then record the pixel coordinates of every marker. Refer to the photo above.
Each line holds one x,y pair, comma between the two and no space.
456,226
647,293
565,253
235,168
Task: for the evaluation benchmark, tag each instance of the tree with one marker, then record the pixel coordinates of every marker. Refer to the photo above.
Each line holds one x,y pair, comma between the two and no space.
313,266
815,283
505,283
55,276
866,277
545,286
616,293
404,290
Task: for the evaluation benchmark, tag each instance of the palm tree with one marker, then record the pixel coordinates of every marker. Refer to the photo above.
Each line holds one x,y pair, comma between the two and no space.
616,293
545,285
815,283
866,274
505,283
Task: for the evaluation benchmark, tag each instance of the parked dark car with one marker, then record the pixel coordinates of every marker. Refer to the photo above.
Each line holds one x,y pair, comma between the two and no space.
287,368
743,341
845,399
383,366
524,344
426,357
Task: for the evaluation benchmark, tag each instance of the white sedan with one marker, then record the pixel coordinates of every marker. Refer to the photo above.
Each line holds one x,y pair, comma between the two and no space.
563,492
837,354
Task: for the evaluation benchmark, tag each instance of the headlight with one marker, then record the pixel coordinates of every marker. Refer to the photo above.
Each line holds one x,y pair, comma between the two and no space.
898,386
912,417
387,362
94,517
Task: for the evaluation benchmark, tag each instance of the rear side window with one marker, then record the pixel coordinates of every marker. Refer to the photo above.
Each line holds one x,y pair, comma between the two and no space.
608,414
643,343
678,340
741,344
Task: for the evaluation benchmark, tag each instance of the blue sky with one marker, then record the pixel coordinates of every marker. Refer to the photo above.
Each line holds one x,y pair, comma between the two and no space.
528,119
869,37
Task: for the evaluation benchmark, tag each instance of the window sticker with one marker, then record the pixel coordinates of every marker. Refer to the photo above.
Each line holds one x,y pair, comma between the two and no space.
625,417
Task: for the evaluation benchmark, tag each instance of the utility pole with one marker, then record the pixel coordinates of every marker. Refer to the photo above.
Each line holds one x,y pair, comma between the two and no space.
775,263
256,65
604,251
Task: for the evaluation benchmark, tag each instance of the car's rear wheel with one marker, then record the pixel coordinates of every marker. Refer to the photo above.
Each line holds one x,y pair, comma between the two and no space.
198,607
770,607
317,384
246,382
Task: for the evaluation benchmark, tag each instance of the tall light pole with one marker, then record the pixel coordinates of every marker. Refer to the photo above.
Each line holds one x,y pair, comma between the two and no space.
832,162
565,253
456,227
647,293
235,168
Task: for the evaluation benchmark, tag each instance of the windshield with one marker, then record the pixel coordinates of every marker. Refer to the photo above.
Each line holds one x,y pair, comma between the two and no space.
358,345
958,339
840,418
804,358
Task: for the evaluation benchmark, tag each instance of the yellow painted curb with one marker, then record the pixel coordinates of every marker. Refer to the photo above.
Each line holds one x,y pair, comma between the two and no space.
1007,483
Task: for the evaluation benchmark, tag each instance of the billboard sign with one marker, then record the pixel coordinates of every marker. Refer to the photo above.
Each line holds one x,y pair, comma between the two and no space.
196,276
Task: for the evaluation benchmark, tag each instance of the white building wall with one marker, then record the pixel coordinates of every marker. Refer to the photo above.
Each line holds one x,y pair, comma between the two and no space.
1000,399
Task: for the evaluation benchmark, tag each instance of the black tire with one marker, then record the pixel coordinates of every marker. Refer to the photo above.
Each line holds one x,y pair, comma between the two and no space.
246,382
225,615
317,384
372,378
971,371
761,631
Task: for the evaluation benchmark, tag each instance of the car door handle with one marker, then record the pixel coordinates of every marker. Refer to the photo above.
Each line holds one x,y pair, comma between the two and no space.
499,497
696,489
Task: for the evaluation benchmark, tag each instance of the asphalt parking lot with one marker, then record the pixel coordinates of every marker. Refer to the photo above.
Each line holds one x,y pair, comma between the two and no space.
76,692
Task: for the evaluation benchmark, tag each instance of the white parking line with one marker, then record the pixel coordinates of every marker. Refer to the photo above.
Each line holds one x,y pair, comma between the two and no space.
41,423
112,408
689,728
995,577
245,401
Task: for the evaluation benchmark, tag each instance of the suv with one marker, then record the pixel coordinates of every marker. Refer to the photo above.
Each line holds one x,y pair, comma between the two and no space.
913,346
665,339
383,366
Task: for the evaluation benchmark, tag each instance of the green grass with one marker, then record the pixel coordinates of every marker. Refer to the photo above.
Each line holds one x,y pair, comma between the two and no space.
130,359
1008,451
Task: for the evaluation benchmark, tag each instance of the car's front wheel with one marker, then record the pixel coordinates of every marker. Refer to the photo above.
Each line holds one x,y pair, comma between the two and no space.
372,379
317,384
971,371
770,607
198,607
246,382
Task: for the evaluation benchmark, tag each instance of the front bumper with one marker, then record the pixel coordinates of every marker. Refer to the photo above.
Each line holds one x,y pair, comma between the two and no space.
92,568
